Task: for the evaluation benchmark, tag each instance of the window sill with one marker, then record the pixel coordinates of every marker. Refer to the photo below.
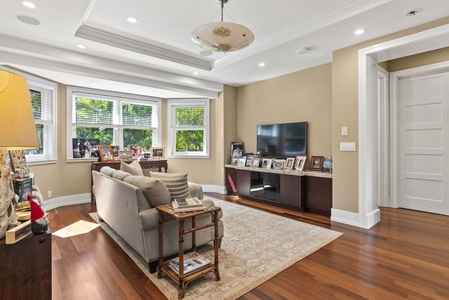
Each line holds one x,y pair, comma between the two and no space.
82,160
41,162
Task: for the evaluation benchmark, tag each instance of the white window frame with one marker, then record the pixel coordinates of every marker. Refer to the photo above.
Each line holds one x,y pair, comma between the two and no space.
118,98
49,141
176,103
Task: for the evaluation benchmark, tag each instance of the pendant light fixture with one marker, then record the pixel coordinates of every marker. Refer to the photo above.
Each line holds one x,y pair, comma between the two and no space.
222,36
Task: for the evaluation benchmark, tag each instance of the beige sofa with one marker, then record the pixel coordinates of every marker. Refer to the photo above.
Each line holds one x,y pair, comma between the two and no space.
127,204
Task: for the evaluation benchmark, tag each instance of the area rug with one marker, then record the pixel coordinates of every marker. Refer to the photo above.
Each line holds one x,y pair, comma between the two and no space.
256,246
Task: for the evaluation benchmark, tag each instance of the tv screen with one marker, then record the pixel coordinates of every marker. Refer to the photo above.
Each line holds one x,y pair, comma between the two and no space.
282,140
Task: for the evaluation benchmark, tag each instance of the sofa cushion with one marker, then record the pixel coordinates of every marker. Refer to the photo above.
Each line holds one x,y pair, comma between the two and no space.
107,171
120,175
176,183
133,168
154,190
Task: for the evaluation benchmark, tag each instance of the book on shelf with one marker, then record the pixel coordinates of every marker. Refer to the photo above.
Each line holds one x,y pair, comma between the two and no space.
192,262
187,204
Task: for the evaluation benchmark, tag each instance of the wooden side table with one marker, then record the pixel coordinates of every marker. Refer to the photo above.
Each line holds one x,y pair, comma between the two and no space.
181,279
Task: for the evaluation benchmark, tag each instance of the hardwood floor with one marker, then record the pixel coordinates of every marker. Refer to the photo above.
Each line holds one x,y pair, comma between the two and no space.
405,256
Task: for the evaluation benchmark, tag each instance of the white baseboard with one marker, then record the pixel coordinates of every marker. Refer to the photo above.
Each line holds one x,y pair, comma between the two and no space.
345,217
65,201
354,219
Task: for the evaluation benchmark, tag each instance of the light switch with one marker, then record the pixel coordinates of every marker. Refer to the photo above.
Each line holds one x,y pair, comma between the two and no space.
347,146
344,131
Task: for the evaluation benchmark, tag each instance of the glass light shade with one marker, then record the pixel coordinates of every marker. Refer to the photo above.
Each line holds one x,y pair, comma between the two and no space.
17,127
222,36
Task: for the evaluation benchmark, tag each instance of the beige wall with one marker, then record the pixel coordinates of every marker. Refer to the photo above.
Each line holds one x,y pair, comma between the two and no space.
418,60
296,97
345,113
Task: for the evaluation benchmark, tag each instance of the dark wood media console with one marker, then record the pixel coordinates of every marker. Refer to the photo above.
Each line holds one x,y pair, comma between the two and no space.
301,191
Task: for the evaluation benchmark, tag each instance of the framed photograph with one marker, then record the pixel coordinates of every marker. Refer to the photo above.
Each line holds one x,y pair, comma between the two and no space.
234,161
316,163
255,163
300,163
249,159
241,161
125,155
289,163
157,152
18,160
279,164
85,148
237,149
106,153
266,163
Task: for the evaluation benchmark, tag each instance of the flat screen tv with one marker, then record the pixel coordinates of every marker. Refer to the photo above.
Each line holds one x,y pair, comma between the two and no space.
282,140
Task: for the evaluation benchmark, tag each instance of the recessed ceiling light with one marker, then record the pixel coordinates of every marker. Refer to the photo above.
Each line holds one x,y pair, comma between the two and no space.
131,20
81,46
28,20
196,73
93,83
261,64
359,31
29,4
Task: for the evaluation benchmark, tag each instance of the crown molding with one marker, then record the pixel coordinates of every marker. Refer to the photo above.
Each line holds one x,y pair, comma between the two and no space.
160,51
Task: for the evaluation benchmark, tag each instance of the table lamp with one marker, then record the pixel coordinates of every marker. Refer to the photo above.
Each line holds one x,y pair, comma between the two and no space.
17,132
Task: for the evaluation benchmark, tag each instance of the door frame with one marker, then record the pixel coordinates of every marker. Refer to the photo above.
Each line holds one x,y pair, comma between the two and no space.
436,68
431,39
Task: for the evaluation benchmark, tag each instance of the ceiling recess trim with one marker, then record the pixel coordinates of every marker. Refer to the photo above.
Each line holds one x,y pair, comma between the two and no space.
161,52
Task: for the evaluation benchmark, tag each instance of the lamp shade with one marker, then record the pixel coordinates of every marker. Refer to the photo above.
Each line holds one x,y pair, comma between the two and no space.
223,36
17,127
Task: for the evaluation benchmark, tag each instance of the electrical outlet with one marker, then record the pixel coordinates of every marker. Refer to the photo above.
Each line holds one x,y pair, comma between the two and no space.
50,194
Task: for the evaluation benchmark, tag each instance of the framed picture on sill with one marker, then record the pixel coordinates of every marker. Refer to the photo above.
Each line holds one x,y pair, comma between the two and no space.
300,163
255,163
157,152
241,161
266,163
289,163
279,164
106,153
316,163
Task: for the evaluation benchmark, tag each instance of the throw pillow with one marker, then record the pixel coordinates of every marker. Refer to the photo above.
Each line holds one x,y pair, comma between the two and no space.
154,190
133,168
107,171
176,183
120,175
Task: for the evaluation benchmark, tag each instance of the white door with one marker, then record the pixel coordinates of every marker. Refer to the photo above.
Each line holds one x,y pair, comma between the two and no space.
423,143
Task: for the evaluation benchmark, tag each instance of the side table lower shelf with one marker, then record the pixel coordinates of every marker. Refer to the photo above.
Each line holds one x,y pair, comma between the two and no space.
181,279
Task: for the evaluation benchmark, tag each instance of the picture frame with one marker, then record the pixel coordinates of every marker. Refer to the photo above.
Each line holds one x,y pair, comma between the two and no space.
18,160
300,163
279,164
85,148
255,163
241,161
237,149
125,155
157,152
289,163
106,153
316,163
266,163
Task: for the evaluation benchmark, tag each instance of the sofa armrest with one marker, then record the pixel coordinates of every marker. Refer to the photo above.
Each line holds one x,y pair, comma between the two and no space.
196,190
149,219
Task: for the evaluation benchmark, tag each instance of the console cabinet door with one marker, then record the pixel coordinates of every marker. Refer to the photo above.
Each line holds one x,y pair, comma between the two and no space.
319,195
292,191
243,182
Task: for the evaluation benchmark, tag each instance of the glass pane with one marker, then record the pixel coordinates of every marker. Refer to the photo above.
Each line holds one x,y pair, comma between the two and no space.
105,135
138,138
93,111
36,103
136,115
189,116
189,140
40,138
